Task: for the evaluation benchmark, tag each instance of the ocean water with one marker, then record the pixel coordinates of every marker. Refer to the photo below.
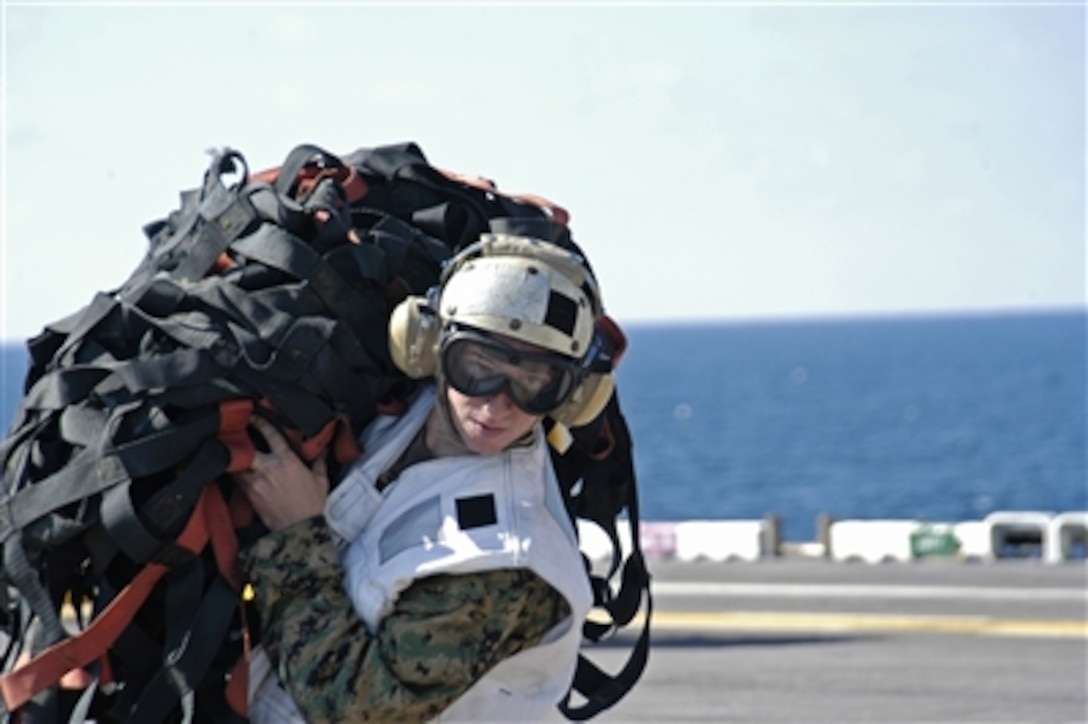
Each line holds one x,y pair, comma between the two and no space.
944,419
939,418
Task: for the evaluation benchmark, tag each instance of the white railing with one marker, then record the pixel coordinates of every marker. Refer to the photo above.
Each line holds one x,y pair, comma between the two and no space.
1065,531
719,540
871,541
1056,537
1010,529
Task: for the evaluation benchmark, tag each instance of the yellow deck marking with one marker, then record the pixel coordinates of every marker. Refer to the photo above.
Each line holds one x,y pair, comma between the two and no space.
869,622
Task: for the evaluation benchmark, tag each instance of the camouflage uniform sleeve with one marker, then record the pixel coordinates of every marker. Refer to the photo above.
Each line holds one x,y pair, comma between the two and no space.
443,634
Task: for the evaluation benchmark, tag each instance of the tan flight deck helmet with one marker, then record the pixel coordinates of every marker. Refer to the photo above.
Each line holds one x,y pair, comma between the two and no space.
513,286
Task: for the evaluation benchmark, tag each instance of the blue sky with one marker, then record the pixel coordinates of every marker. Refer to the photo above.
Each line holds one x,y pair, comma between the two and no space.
720,161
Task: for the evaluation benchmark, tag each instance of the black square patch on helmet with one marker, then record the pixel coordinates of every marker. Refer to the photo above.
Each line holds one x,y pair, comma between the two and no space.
476,512
562,313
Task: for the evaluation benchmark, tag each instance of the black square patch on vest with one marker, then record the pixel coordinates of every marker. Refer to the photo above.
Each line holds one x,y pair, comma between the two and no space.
476,512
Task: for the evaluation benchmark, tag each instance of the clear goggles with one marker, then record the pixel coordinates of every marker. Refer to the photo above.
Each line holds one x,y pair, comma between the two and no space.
479,365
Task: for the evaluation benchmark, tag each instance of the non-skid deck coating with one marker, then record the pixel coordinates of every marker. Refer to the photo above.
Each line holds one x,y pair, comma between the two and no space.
811,640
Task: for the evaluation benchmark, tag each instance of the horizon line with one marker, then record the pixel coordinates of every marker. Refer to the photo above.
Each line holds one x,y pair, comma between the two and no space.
797,317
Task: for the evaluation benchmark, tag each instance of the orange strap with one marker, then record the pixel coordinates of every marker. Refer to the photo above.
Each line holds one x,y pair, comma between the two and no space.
351,181
211,520
336,433
557,213
345,446
606,442
47,667
220,526
234,416
619,339
233,421
237,689
222,263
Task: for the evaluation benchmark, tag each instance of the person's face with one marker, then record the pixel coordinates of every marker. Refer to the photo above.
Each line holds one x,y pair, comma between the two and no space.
489,424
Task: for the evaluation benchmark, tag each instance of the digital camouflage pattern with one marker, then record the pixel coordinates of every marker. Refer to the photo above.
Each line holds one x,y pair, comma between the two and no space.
443,634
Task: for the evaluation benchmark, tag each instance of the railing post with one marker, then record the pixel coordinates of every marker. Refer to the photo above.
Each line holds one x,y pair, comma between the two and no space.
772,536
823,532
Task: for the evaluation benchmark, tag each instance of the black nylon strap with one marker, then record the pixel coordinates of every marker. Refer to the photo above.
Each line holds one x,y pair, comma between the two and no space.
180,368
160,297
410,252
386,161
286,252
21,574
201,236
158,448
297,159
16,444
82,425
194,329
56,390
98,468
170,506
601,690
122,524
601,481
327,375
258,327
86,320
82,708
45,344
136,655
306,412
187,663
476,208
146,535
184,592
193,255
635,580
226,219
299,352
84,476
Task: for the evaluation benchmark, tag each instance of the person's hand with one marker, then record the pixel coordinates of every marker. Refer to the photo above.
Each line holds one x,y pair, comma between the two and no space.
282,489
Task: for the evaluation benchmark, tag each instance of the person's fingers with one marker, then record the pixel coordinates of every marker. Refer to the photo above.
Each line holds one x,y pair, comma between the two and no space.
277,443
321,472
246,479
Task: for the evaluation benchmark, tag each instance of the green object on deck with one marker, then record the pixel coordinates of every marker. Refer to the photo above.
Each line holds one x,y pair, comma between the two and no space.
933,540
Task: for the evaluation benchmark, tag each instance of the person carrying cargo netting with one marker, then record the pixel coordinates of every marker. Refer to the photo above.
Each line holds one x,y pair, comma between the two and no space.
263,305
441,578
